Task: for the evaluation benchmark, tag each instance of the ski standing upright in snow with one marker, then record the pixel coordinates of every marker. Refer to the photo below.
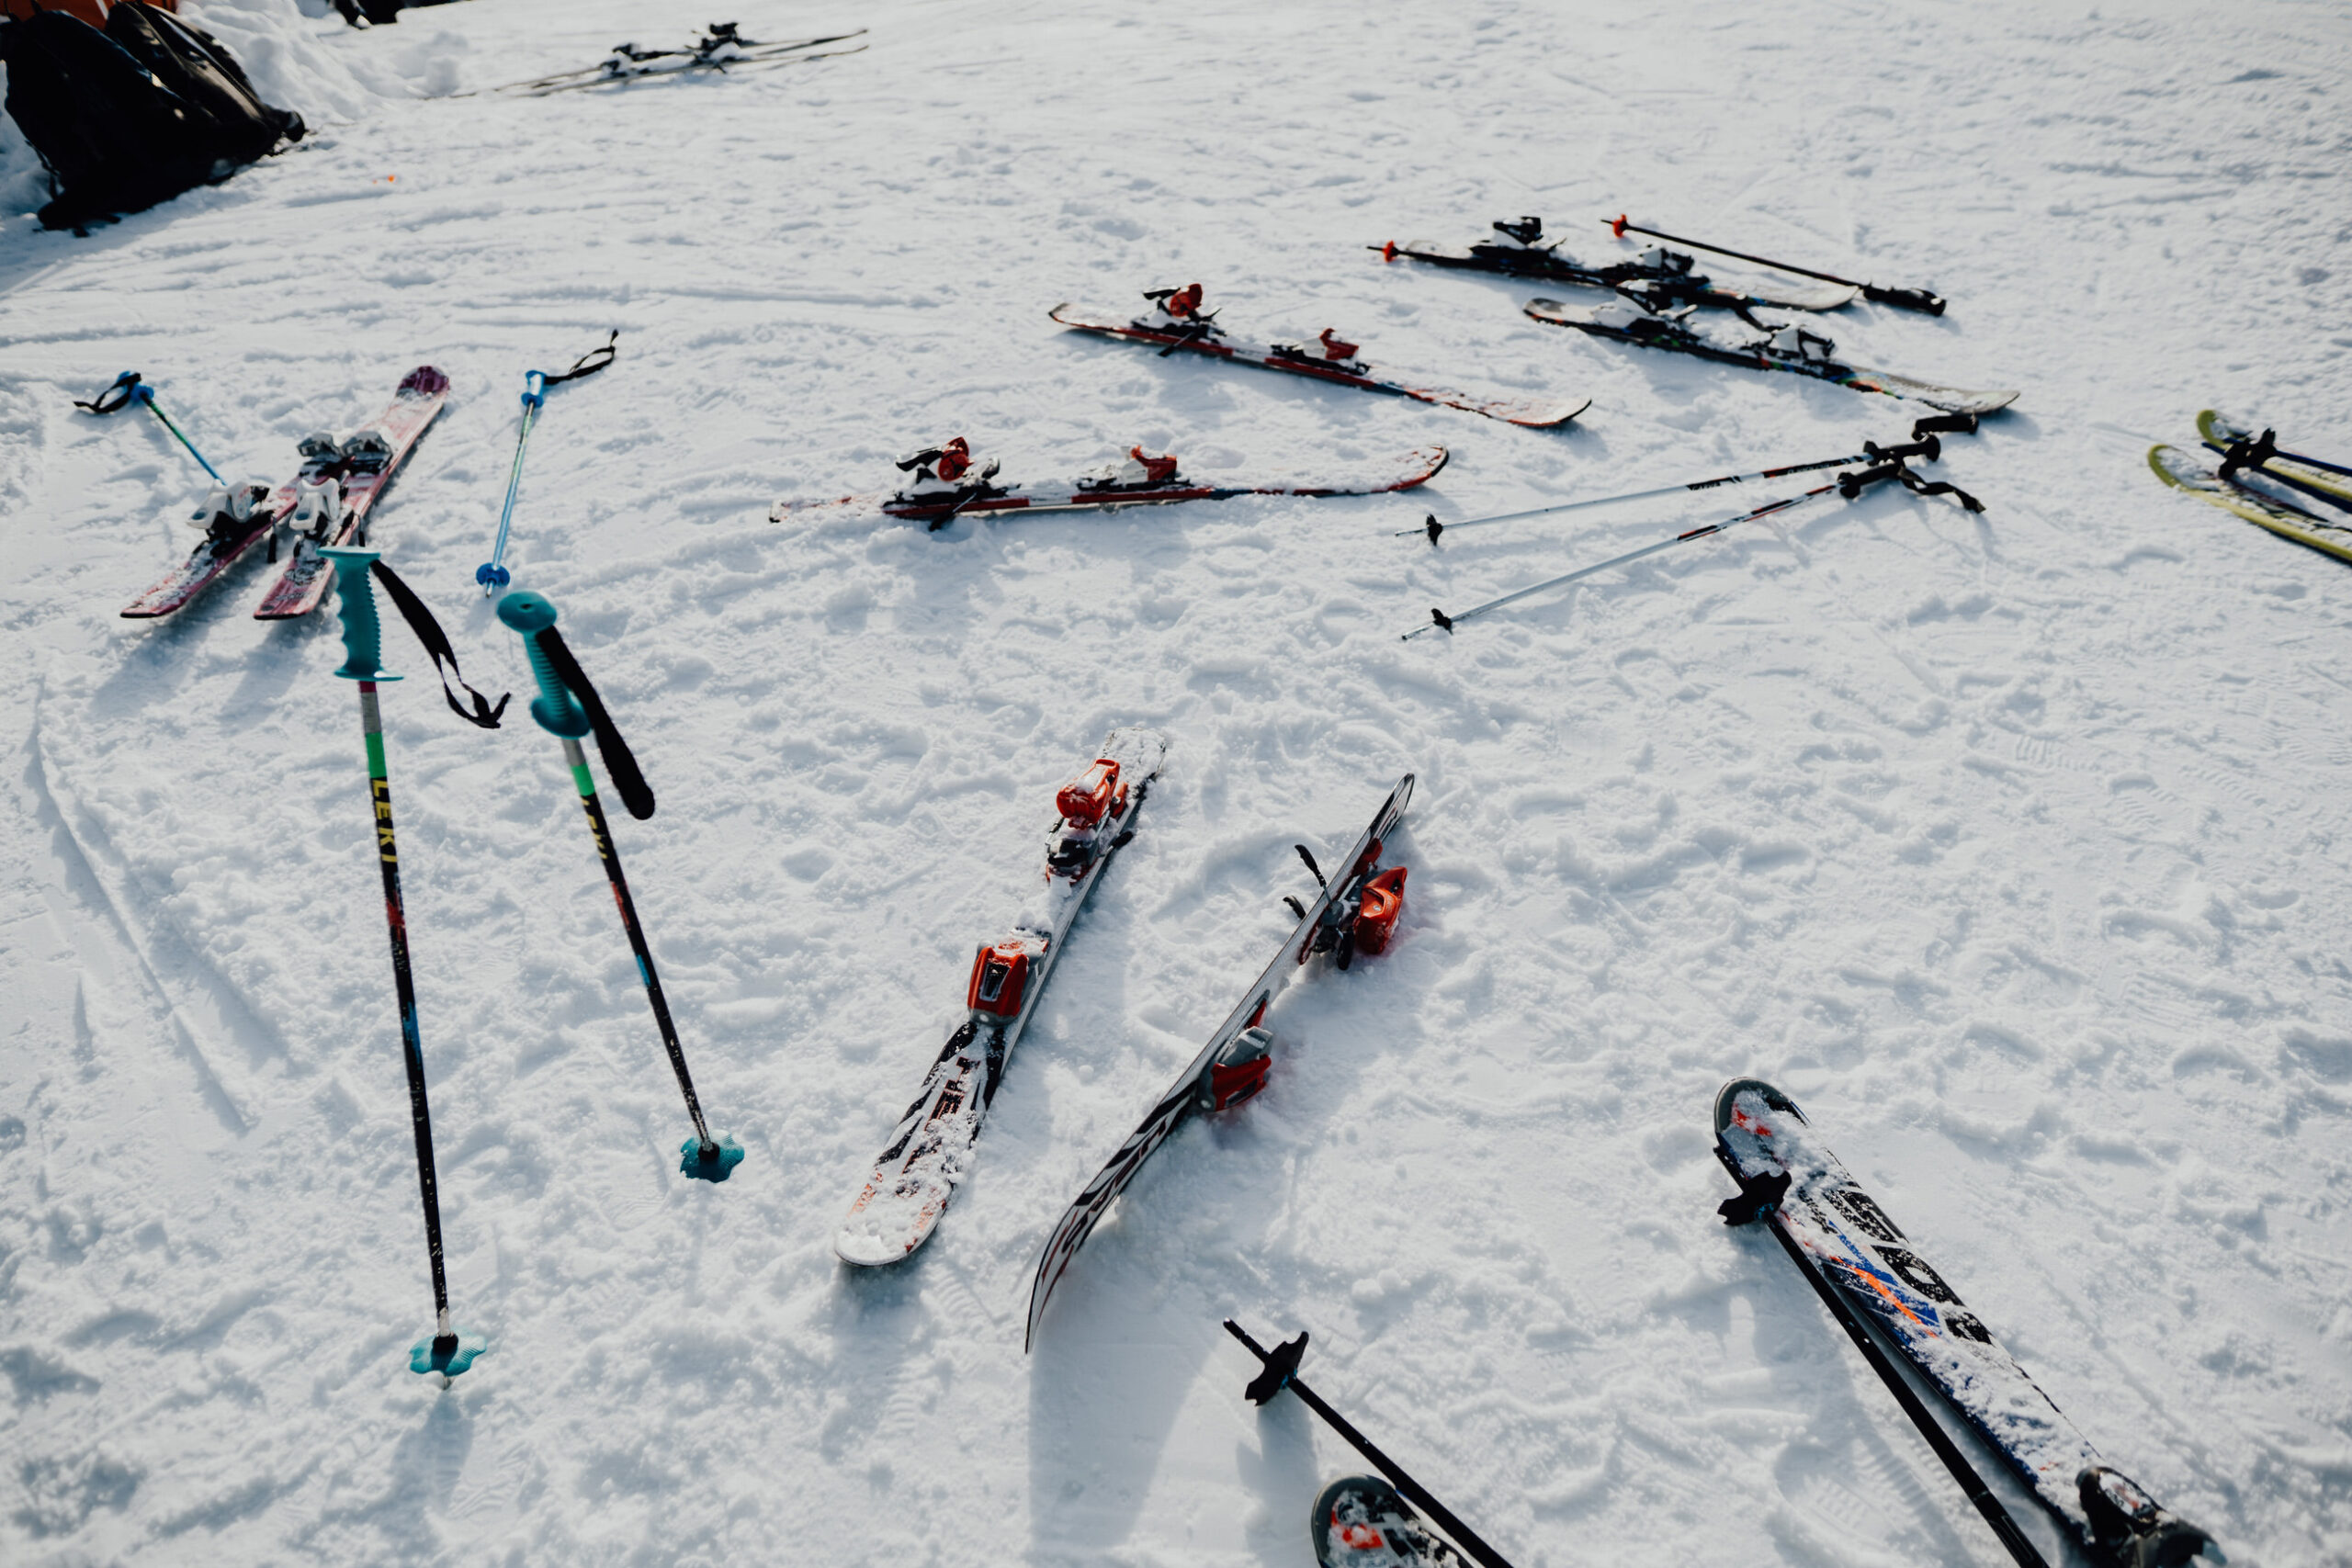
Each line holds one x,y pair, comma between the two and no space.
1176,321
945,482
568,707
1355,912
931,1149
1873,1278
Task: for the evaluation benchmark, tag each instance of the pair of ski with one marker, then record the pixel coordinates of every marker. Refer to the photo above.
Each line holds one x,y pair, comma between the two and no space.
937,498
931,1149
326,504
719,47
1888,1299
1659,278
2244,451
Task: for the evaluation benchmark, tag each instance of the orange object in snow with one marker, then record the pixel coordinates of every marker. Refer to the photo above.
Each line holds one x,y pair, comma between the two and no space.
1156,471
1383,901
1185,300
1092,796
953,459
1000,977
1335,349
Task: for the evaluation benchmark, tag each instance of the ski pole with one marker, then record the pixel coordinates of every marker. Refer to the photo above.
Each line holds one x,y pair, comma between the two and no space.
1761,1201
491,574
1924,299
448,1350
705,1157
133,389
1281,1371
1923,444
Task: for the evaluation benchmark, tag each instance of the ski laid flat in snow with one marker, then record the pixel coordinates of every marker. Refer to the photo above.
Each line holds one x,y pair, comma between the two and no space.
917,1172
2259,450
2184,472
1780,1164
335,515
1659,276
1140,481
1324,359
1792,349
1355,911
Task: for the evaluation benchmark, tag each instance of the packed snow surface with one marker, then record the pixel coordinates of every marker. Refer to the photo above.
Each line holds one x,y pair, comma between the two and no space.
2016,848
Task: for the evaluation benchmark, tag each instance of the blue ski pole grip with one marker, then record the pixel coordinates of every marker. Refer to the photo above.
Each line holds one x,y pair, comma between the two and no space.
535,389
363,635
557,712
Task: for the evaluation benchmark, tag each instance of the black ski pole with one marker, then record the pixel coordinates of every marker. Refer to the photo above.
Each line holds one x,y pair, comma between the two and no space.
704,1157
1763,1202
447,1350
1280,1373
1925,299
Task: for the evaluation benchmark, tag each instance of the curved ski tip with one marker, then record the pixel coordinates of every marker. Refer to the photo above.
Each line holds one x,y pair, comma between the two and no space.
2163,469
2213,426
1725,1096
449,1355
714,1164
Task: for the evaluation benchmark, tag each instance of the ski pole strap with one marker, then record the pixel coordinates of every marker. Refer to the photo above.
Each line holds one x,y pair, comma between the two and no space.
636,794
588,364
436,646
1918,486
125,388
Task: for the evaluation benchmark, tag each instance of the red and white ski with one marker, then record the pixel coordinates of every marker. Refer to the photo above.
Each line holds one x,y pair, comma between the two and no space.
917,1171
371,458
937,495
1179,323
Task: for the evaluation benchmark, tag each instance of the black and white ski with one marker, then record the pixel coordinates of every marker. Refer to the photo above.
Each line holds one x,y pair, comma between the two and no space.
917,1172
1793,349
1788,1176
720,47
1356,909
1660,278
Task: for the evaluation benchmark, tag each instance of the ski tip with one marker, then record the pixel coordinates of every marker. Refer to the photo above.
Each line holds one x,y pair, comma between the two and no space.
1726,1099
2161,457
2216,427
447,1354
715,1161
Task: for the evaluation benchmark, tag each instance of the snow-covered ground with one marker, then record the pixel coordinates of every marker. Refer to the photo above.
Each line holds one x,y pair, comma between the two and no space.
2016,847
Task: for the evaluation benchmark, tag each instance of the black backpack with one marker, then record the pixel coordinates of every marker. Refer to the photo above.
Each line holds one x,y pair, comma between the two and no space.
133,116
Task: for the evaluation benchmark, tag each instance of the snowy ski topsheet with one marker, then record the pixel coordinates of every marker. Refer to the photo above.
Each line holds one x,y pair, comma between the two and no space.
304,581
1850,1238
2185,472
1088,493
930,1150
1542,262
1206,338
1087,1210
1603,320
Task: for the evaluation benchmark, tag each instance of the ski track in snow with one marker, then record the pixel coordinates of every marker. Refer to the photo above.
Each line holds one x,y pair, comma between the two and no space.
2012,846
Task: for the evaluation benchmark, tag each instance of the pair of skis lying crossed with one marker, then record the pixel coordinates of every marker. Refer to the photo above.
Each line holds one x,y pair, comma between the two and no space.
930,1150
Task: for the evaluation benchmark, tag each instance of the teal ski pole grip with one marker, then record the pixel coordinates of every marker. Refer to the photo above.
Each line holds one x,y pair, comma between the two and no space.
555,709
363,635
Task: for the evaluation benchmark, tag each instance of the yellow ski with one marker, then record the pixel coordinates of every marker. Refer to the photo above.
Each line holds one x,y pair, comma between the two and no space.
2178,469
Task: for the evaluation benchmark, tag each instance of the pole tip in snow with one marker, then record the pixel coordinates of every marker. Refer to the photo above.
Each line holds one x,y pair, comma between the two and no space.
491,577
714,1161
447,1354
363,635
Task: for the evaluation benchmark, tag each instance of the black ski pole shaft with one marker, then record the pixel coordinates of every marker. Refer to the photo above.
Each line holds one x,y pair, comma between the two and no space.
363,649
1996,1515
1412,1490
1631,496
562,715
1924,299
